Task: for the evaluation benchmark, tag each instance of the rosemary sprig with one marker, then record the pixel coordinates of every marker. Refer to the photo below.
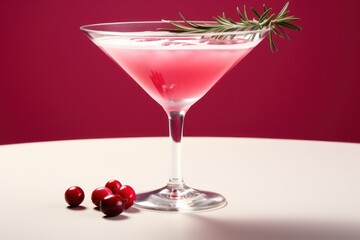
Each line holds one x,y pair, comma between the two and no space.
275,23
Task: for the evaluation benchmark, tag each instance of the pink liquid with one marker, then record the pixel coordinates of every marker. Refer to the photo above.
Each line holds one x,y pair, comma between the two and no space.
176,77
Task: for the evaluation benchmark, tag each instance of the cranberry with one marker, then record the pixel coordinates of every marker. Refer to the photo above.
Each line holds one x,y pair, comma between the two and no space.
74,196
99,194
112,205
128,194
114,185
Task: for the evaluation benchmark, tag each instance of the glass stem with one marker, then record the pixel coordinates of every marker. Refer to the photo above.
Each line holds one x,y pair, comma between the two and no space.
176,123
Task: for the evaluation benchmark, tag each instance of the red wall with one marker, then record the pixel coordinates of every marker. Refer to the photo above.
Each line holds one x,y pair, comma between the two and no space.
55,84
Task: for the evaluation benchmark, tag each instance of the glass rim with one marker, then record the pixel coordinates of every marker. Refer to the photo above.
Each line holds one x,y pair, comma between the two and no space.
152,33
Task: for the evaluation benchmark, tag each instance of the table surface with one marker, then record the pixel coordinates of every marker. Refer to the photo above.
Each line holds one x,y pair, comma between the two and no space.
276,189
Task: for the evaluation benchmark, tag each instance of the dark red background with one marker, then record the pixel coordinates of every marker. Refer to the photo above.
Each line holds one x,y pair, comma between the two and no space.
55,84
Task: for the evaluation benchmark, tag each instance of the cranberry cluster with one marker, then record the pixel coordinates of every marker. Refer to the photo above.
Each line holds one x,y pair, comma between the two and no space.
112,199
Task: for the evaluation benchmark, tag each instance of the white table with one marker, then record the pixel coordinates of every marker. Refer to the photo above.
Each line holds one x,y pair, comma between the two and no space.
276,189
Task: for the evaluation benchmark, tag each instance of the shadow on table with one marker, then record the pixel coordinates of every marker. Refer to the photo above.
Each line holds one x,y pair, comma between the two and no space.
211,229
116,218
77,208
133,210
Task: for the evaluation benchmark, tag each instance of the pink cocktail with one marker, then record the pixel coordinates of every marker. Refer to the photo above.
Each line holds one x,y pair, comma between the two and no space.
176,70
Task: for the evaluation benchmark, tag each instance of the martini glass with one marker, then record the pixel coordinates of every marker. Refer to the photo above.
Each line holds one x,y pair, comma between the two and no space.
176,70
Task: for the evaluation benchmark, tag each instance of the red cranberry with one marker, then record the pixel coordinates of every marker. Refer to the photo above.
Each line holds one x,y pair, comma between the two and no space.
128,194
114,185
99,194
74,196
112,205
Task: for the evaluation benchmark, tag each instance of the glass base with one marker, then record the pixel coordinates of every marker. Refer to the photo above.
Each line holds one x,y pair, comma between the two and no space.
179,198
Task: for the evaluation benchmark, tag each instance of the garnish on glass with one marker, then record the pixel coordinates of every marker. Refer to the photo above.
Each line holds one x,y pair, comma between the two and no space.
275,23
